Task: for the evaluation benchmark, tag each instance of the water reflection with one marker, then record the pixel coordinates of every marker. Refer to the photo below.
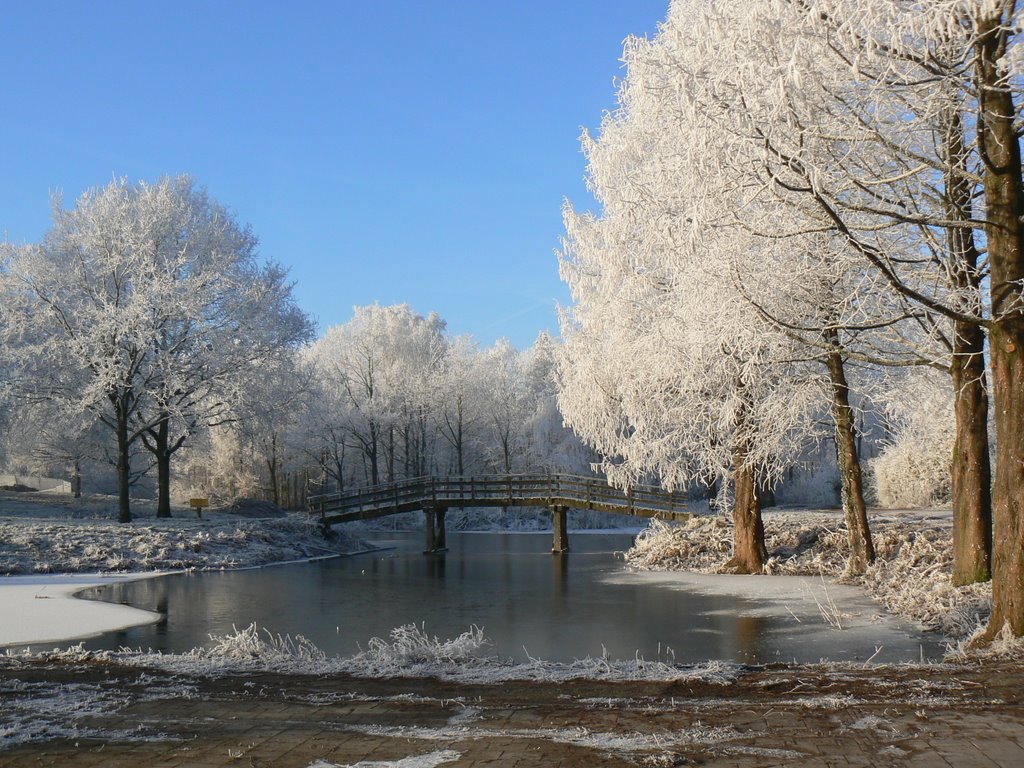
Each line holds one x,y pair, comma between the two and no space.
747,632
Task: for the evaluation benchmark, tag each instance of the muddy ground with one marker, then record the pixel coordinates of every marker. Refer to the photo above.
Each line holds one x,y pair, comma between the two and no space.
105,714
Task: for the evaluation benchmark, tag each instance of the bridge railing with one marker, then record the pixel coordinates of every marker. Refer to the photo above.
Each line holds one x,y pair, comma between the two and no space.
491,490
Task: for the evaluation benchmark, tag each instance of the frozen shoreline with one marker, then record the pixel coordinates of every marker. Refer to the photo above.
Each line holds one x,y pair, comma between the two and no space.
53,546
48,610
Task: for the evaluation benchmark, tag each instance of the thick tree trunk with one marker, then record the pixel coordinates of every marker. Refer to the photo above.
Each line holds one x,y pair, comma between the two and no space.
163,468
749,552
862,549
76,479
124,512
970,471
1004,204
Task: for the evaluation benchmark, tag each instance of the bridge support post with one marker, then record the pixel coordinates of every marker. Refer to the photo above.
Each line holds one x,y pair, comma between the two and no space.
560,544
434,528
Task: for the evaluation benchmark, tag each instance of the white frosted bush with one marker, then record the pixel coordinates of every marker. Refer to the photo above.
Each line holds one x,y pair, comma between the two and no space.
252,644
411,645
913,469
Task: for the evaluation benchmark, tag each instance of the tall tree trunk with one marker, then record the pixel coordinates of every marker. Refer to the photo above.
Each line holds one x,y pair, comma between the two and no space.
374,456
862,548
407,457
124,512
162,451
275,491
458,447
970,472
391,453
1004,205
76,479
749,552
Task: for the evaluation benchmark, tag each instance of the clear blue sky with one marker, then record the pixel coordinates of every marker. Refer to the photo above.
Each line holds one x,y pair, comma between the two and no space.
391,151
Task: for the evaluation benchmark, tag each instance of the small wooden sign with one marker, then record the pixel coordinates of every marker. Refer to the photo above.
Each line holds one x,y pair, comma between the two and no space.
198,503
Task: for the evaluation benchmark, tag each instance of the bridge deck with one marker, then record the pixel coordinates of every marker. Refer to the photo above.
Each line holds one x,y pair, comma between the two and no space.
497,491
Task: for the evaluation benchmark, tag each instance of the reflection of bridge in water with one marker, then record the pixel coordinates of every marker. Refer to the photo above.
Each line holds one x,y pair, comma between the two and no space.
436,495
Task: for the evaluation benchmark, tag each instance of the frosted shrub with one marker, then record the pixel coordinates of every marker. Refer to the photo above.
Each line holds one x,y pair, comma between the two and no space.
253,644
700,544
412,646
913,469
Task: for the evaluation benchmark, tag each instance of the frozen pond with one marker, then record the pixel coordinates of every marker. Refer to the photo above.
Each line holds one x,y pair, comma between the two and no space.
529,602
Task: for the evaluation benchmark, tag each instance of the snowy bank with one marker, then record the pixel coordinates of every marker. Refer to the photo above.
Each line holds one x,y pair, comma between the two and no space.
47,610
77,543
911,576
33,545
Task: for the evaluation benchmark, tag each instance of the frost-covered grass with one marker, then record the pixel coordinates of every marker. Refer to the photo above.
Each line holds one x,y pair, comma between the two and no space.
408,652
911,576
47,545
37,712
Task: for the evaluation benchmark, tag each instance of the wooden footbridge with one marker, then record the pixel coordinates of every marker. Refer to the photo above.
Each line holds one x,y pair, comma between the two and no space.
436,495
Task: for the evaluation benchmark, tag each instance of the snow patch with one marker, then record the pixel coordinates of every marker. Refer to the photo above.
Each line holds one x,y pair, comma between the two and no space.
47,610
430,760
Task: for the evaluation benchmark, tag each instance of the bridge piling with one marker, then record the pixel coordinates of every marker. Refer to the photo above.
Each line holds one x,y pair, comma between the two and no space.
560,545
434,529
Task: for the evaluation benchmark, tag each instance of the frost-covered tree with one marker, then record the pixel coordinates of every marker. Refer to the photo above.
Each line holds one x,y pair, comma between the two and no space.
458,404
267,430
375,369
508,404
792,109
146,306
895,124
226,318
666,370
552,446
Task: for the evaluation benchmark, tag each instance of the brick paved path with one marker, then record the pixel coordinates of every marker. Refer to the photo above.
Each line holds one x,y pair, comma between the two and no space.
95,714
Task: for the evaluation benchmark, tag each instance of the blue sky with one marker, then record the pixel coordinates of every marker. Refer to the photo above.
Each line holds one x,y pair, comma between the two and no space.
385,151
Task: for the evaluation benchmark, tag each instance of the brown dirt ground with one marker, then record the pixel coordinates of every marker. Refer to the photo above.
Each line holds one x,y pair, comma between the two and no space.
913,716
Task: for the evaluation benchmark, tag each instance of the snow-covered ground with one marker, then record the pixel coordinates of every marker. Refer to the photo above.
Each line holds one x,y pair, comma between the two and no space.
911,577
53,545
48,612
